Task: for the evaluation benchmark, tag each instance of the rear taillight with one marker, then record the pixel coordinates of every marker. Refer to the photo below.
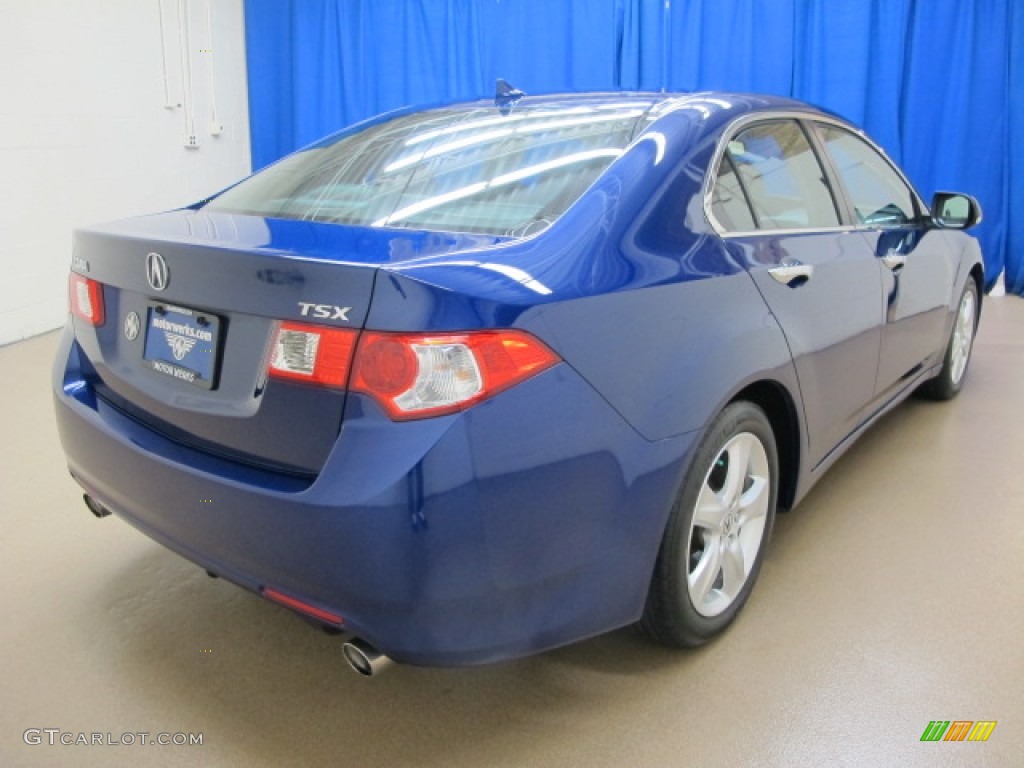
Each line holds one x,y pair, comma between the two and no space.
412,376
86,299
313,353
415,375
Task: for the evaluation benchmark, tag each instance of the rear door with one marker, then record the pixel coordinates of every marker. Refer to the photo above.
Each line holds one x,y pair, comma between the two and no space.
918,267
772,200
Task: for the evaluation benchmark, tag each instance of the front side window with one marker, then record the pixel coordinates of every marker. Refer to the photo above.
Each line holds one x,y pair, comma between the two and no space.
783,180
879,195
452,170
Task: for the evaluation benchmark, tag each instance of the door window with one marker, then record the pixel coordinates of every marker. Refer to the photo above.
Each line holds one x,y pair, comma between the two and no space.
728,201
879,195
783,180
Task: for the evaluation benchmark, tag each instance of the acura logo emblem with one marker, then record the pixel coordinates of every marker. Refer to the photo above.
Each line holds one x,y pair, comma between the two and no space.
156,271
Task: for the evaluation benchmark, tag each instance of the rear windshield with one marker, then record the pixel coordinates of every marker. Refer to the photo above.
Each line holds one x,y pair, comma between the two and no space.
452,170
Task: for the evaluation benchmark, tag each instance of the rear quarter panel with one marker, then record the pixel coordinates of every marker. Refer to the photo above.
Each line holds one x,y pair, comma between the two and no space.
630,287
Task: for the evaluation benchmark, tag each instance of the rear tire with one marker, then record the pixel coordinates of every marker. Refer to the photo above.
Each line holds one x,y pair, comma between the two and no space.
947,384
714,543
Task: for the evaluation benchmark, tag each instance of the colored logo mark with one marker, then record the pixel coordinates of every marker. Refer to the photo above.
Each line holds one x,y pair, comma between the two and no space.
179,345
958,730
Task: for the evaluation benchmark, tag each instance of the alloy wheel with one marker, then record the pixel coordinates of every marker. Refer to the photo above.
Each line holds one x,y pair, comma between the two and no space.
963,336
728,524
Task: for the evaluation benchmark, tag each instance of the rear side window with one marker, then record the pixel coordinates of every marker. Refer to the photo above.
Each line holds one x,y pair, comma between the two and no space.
451,170
729,202
879,195
781,177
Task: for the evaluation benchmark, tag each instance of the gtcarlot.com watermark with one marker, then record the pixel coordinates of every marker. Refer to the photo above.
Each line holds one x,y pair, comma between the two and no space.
56,737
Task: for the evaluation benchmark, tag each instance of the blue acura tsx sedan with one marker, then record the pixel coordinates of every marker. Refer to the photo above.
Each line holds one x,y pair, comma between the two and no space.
471,382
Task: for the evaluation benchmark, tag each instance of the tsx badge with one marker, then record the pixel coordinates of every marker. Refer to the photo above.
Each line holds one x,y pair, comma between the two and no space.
324,311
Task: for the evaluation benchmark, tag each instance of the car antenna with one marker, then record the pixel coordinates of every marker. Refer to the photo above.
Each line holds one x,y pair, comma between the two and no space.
506,96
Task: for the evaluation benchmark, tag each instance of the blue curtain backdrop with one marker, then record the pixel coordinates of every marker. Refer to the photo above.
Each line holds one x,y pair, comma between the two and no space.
939,83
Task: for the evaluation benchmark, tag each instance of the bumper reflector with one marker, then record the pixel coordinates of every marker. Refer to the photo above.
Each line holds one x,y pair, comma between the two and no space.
302,607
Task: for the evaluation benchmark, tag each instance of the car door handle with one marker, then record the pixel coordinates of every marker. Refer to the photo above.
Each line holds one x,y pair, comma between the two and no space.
792,273
894,261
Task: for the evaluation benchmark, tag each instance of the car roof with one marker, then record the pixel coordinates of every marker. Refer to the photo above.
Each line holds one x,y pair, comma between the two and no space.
713,108
656,102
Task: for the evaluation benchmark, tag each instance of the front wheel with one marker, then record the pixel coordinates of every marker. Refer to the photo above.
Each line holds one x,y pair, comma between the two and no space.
947,384
715,539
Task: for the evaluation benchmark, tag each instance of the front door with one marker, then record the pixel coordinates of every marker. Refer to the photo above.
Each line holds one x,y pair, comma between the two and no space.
918,267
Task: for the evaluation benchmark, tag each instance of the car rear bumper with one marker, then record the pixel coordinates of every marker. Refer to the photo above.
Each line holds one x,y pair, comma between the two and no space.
528,522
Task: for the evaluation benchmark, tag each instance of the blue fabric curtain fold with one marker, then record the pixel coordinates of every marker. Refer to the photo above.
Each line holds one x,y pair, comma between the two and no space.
851,60
548,46
937,83
740,45
1013,211
953,123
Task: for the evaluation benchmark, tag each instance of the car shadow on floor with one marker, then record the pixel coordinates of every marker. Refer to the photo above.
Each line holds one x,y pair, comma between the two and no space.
252,673
276,684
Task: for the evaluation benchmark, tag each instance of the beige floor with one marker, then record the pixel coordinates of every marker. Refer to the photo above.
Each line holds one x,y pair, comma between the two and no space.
893,596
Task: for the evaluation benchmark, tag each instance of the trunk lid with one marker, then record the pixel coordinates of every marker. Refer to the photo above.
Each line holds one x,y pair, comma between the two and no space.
206,305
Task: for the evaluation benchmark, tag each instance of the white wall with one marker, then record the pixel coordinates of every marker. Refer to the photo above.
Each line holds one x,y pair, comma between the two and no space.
85,136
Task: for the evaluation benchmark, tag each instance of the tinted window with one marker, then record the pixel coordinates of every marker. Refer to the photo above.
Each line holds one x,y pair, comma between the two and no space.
456,170
782,177
728,203
879,196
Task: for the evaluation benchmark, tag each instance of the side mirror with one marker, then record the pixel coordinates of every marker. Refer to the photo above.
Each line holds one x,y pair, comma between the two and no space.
951,210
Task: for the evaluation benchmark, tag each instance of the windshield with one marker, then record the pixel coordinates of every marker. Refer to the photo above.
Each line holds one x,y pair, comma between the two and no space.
453,170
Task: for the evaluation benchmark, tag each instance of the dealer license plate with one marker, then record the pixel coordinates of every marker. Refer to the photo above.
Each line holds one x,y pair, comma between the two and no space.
182,343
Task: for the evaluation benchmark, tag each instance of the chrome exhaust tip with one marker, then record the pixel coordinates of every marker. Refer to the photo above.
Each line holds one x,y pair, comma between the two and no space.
364,658
94,506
